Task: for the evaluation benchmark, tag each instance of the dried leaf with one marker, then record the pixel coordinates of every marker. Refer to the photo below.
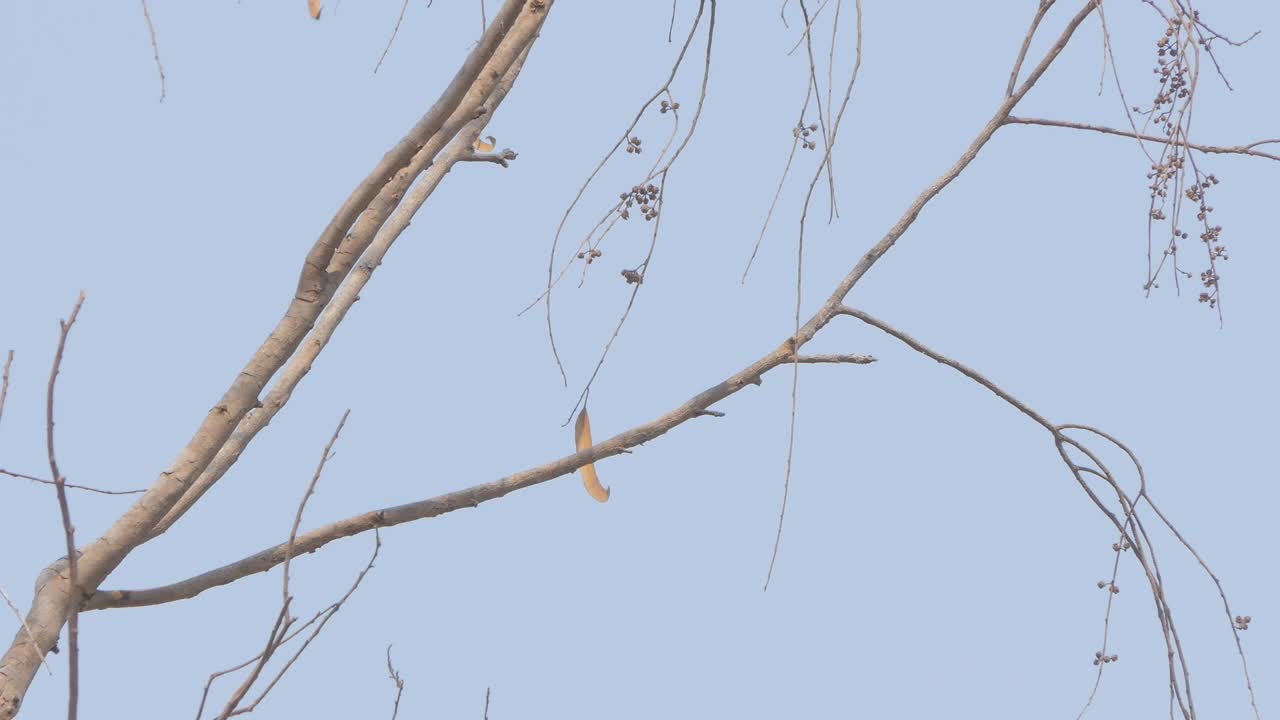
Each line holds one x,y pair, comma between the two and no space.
313,7
582,441
485,144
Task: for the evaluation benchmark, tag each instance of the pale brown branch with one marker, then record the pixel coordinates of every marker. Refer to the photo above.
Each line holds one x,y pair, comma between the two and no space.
329,261
618,444
469,119
838,358
501,158
1132,532
1026,44
1209,149
965,370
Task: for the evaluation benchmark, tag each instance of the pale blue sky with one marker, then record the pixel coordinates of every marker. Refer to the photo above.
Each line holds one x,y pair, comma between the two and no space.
938,560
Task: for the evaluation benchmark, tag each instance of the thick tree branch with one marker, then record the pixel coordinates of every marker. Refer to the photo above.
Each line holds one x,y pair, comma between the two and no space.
326,265
396,210
623,442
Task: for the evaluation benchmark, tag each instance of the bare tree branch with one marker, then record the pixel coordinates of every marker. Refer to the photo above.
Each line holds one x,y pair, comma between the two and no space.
69,486
396,31
23,622
838,358
399,683
280,631
467,120
1249,149
328,262
618,444
155,47
1026,44
68,529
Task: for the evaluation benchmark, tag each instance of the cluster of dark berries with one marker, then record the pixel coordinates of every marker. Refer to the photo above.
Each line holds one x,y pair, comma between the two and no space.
1099,658
668,106
1113,587
1119,546
1173,70
803,132
633,145
590,255
632,277
644,198
1242,622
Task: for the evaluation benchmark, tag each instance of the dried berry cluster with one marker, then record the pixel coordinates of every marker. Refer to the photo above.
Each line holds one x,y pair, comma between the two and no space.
803,132
1174,176
1242,622
1112,586
590,255
1173,69
633,145
666,106
644,198
1099,658
633,277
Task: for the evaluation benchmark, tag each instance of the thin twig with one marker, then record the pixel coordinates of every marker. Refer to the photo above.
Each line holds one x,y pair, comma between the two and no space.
639,272
279,634
155,48
1211,149
396,31
68,529
69,486
808,25
4,382
399,683
31,637
325,456
626,135
1026,43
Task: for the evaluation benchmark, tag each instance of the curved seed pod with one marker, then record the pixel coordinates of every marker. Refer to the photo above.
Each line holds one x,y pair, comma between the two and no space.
582,441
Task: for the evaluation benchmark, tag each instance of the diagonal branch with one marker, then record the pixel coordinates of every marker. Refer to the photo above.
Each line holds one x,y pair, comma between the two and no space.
618,444
330,260
467,121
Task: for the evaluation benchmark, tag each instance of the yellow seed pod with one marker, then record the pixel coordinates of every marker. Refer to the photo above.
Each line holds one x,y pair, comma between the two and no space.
582,441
